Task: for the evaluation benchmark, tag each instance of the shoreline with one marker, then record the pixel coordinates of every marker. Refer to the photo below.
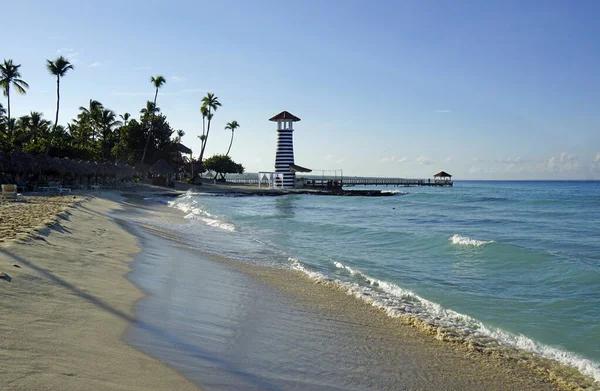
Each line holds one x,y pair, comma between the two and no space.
55,338
299,287
69,303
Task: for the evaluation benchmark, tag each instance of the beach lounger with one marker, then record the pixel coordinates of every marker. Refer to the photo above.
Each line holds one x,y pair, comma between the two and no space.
63,189
9,192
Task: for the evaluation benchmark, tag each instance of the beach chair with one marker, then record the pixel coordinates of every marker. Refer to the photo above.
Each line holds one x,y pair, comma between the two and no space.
62,189
9,192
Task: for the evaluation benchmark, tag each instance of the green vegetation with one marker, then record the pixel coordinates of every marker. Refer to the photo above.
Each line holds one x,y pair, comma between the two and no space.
222,165
100,134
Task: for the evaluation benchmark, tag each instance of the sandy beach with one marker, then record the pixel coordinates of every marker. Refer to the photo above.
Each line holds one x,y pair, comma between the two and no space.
68,304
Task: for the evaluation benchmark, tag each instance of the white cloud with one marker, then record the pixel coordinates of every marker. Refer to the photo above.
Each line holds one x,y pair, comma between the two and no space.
597,158
449,159
340,161
562,163
393,159
474,170
177,78
425,161
94,64
478,160
443,111
518,160
329,157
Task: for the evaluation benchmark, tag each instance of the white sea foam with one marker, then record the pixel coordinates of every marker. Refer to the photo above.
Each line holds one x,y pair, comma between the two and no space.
396,192
466,241
397,301
188,204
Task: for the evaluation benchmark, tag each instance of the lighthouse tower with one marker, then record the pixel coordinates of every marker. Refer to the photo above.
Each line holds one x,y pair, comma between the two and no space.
285,147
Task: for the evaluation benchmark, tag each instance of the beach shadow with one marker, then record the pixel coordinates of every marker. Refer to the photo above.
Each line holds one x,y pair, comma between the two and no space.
161,335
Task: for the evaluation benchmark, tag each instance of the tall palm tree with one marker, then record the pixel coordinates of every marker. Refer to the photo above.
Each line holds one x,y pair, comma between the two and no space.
58,68
10,75
210,104
233,125
125,117
158,82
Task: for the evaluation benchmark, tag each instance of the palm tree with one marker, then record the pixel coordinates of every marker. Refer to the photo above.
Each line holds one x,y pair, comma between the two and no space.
32,132
148,111
2,117
180,134
108,120
125,117
90,117
210,104
158,82
58,68
10,75
233,125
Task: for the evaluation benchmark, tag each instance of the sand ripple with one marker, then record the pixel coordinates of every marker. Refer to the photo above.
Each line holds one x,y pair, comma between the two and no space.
20,219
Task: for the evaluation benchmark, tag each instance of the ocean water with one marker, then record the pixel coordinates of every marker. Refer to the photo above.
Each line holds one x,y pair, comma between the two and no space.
509,264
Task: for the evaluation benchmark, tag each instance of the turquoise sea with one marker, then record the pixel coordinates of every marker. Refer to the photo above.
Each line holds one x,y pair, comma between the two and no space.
513,264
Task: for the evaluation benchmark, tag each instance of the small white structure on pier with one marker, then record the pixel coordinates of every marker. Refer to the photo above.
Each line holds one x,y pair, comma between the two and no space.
284,158
272,179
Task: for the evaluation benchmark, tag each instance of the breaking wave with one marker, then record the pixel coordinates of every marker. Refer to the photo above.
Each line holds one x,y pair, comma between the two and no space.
466,241
188,204
446,324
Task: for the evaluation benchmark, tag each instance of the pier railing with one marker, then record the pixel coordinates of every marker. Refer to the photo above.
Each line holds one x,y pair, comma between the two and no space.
346,182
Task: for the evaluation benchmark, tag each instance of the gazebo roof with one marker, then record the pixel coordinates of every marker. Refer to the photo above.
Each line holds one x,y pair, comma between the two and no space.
162,167
296,168
182,148
443,174
285,115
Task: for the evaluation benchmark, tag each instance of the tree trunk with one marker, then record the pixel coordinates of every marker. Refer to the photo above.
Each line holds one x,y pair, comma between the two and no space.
231,142
56,119
204,144
151,126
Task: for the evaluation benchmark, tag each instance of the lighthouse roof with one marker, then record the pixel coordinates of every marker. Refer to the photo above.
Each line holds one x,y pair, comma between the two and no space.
284,115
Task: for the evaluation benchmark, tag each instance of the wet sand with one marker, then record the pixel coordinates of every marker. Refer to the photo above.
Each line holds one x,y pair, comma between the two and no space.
68,302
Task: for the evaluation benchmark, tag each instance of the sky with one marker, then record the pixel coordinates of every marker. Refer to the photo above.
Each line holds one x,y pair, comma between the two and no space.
481,89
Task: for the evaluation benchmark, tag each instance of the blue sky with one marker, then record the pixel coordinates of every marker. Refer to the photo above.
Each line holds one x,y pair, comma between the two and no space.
481,89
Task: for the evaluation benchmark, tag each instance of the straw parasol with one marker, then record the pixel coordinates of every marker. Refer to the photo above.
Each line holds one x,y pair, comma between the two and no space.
161,167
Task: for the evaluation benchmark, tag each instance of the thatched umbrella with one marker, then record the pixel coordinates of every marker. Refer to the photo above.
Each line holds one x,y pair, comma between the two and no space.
22,163
161,167
141,169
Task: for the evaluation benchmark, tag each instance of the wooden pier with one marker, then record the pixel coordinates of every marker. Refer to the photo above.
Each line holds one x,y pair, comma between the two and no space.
328,183
348,182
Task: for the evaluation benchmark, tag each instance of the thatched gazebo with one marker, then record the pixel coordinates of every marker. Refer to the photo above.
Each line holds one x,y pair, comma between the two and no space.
442,177
161,173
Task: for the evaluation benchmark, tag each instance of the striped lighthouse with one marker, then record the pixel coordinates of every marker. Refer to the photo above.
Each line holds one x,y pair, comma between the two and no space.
285,147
